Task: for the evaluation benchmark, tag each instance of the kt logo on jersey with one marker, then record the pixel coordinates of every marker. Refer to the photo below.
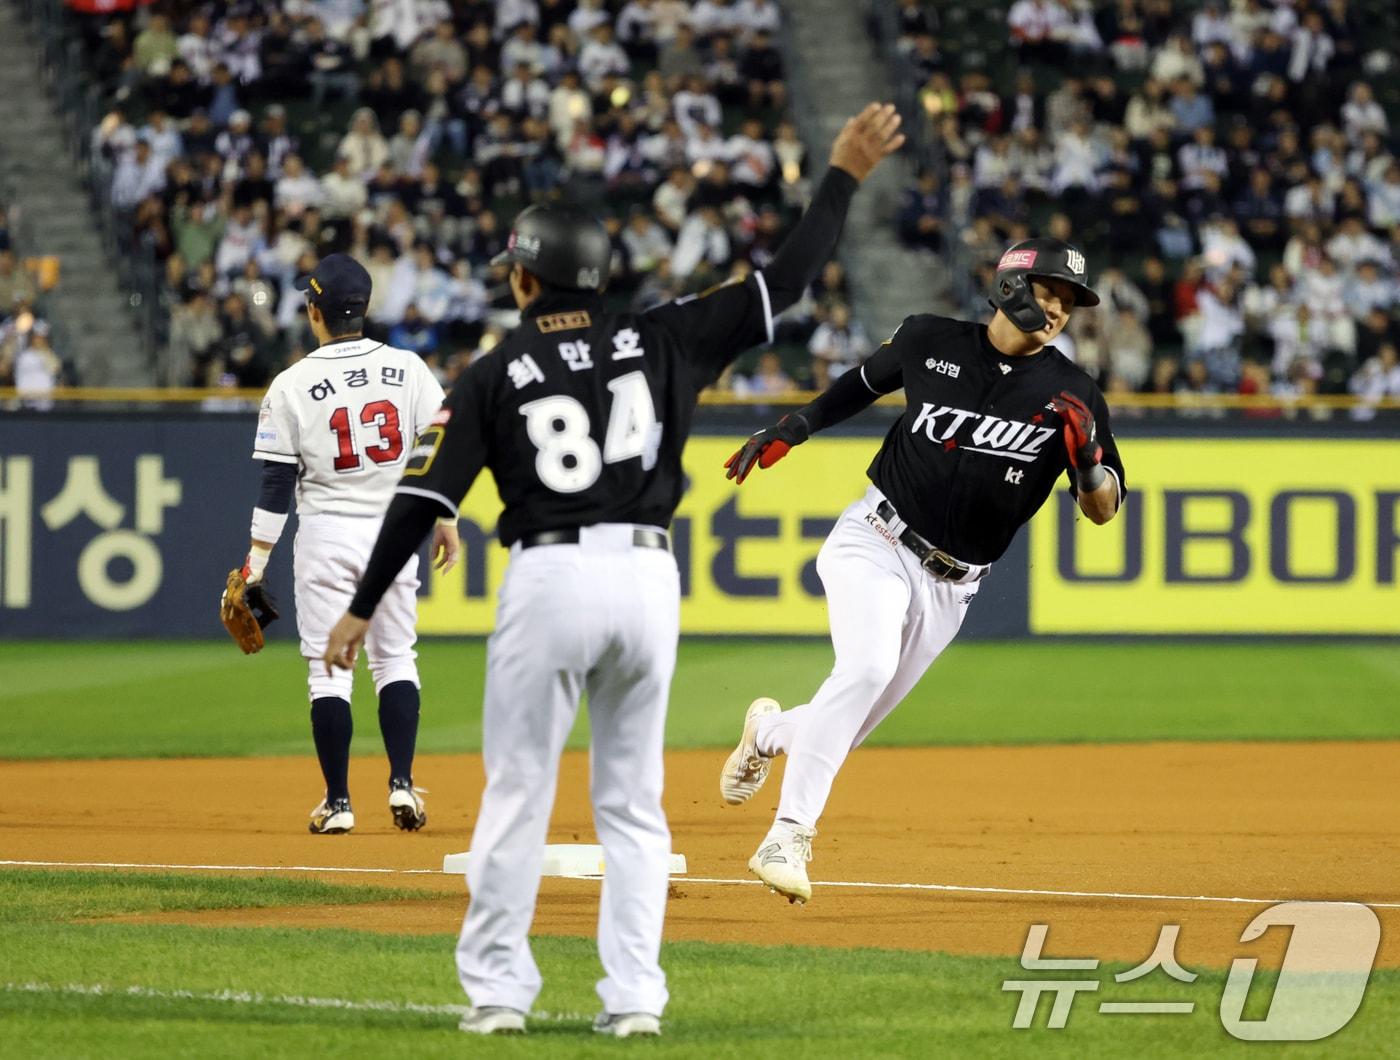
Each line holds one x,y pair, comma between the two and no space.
1011,439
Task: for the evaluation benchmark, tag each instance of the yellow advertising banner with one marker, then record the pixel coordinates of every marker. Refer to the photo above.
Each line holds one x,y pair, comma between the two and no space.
747,555
1229,536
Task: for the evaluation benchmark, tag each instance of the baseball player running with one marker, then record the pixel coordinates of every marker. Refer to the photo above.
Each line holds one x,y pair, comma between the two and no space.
581,414
994,415
334,427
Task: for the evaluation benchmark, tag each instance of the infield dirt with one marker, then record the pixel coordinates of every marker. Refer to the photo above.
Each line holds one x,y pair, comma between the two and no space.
1269,822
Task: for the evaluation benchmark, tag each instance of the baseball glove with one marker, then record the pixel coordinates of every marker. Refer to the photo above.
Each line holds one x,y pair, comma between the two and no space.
245,611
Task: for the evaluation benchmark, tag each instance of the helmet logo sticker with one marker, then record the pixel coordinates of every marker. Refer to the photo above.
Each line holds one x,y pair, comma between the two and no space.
1018,259
529,246
1075,261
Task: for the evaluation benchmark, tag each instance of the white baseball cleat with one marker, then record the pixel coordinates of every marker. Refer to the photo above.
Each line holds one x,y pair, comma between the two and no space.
406,804
493,1019
332,817
628,1025
781,861
746,768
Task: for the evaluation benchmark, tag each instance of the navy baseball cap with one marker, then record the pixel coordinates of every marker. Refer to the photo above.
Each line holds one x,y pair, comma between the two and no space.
339,286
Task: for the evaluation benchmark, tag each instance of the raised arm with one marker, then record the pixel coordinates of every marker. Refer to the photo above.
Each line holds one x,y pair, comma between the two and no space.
713,328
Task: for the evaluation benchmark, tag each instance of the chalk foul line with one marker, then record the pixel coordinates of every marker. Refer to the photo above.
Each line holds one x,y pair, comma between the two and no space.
947,888
249,997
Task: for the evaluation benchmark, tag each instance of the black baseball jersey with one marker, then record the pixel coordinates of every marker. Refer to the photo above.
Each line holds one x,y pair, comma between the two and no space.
582,415
979,447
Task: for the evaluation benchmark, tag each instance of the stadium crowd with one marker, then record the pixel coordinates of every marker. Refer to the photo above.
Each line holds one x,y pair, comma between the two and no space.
244,144
1228,166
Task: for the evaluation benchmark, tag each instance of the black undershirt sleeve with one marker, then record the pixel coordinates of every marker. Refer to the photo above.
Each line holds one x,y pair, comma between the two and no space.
406,524
855,390
279,481
811,242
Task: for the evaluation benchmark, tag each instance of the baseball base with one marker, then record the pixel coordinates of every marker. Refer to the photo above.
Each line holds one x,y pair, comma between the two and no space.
562,859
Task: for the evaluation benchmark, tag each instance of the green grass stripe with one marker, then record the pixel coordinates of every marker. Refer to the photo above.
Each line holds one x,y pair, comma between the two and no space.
246,992
77,700
31,895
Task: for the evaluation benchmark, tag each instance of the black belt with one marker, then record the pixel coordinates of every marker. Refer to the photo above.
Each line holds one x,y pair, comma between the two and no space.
932,559
641,538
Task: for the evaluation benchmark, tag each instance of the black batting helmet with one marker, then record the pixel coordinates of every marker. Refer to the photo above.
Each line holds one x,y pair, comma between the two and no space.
562,246
1048,258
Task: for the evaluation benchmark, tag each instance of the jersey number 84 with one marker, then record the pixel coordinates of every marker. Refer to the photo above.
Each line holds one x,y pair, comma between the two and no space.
567,459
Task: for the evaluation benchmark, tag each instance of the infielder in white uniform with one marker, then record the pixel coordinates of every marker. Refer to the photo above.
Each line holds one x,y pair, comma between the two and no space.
336,427
994,416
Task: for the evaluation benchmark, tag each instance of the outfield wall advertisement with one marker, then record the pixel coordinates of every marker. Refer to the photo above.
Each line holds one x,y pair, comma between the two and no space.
126,527
1230,536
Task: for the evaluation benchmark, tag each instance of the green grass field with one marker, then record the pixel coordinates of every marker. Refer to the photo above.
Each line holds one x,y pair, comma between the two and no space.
73,984
102,989
161,698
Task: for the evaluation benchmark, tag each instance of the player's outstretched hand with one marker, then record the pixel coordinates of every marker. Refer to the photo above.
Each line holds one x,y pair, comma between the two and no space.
1081,433
447,546
343,645
767,447
865,139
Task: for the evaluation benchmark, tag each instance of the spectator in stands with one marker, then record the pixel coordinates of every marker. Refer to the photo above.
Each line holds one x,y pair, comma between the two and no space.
637,30
1362,114
34,367
680,59
838,345
331,63
1298,340
703,244
768,378
1384,195
1129,347
757,17
1178,60
1217,340
155,47
1379,376
1038,31
139,174
1157,289
1371,288
753,162
921,214
712,17
1190,107
645,242
761,65
437,48
414,333
602,55
17,286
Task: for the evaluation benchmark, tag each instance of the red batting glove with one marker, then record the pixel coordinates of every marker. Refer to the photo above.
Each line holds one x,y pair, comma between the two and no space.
1081,433
767,447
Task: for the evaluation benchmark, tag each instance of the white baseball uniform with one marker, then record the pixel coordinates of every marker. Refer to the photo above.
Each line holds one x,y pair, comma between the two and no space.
347,415
889,621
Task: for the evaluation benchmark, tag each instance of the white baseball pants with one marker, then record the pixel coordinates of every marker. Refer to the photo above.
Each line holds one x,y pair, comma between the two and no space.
330,555
889,620
600,617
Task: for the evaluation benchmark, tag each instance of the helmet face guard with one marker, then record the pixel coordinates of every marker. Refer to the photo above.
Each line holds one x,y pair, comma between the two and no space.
1045,258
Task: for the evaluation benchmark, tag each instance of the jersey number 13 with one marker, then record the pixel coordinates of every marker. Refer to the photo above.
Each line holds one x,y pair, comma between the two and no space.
379,414
568,460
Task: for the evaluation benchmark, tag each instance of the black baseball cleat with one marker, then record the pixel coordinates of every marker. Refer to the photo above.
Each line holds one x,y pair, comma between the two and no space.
406,804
